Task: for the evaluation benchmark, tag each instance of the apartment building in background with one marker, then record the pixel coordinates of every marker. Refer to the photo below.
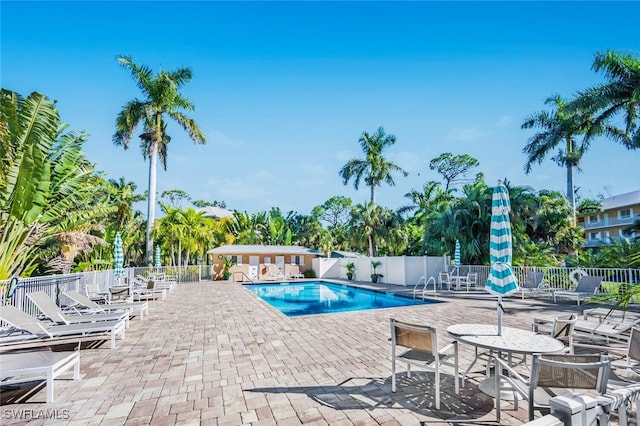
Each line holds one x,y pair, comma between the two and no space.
607,226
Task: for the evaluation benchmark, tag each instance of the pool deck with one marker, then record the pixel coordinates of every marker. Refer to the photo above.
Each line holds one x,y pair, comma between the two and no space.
214,353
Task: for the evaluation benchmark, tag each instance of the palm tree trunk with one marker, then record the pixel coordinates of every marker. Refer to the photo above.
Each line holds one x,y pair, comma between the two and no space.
373,194
151,206
570,193
370,245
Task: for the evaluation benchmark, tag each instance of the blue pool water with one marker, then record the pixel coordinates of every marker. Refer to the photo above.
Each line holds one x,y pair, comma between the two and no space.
309,298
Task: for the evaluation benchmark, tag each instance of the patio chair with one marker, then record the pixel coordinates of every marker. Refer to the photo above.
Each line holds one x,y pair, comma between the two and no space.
421,343
294,273
146,289
94,293
563,329
587,286
444,278
533,284
626,379
472,280
40,365
48,333
550,373
275,273
85,304
49,309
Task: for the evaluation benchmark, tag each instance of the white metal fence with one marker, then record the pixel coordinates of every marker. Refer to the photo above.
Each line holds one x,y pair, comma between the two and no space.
15,293
407,270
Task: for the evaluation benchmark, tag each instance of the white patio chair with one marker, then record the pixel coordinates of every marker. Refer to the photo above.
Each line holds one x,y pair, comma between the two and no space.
421,344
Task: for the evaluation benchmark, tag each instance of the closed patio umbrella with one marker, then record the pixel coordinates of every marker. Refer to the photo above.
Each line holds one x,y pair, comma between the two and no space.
156,262
501,280
456,255
118,257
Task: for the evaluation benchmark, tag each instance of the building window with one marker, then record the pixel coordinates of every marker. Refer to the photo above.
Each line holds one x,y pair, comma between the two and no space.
267,260
625,214
294,260
238,260
301,260
593,219
594,236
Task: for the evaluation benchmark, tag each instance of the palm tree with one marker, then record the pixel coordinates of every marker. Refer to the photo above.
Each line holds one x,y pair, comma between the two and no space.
373,168
123,194
162,98
557,127
618,97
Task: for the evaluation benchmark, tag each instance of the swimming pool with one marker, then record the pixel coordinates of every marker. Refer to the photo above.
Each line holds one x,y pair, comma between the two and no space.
317,297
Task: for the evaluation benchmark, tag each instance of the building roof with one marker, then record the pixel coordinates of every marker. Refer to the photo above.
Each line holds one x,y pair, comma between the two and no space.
622,200
215,212
260,249
340,253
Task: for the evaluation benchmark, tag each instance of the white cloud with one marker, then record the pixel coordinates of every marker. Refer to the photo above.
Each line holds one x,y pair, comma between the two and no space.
466,135
312,168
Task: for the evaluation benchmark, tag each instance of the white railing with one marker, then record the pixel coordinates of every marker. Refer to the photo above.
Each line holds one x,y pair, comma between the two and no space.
55,285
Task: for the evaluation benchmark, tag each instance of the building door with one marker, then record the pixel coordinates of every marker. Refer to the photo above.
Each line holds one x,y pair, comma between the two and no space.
280,264
254,266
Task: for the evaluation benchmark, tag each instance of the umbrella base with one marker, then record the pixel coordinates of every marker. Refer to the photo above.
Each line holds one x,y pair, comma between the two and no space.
488,387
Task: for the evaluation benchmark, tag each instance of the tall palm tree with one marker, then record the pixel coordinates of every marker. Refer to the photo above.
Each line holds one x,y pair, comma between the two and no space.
617,98
558,126
162,99
373,168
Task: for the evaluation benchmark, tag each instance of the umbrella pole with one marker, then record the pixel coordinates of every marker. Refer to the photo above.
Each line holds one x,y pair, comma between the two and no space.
499,315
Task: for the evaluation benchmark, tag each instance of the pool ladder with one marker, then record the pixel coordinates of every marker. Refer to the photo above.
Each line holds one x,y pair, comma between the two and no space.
425,283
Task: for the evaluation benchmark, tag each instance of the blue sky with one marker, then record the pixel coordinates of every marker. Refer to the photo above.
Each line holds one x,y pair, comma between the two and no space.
284,90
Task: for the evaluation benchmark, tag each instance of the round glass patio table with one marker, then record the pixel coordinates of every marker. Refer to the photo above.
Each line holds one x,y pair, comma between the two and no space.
511,341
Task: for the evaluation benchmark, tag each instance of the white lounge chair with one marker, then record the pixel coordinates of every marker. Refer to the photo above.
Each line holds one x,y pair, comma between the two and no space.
587,287
45,333
53,312
275,273
40,365
87,304
533,284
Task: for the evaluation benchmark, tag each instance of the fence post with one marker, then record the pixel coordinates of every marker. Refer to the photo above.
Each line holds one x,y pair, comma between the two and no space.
199,273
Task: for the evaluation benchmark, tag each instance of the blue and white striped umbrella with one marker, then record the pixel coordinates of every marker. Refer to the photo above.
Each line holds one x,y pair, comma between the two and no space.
456,255
118,256
156,262
502,280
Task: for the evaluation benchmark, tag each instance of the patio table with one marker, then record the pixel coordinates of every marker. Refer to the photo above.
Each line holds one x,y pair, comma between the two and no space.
459,281
511,341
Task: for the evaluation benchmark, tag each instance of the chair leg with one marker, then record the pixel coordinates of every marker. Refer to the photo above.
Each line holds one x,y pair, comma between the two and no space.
393,373
437,387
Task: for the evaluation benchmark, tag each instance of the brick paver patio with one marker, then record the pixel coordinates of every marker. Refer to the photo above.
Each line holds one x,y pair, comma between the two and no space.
214,353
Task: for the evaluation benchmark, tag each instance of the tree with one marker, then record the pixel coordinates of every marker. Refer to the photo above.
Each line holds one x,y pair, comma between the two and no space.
214,203
122,194
162,99
453,168
616,99
373,169
48,185
175,197
559,126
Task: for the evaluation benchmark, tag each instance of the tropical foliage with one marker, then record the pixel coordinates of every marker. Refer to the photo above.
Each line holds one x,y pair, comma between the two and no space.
57,213
48,196
162,100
